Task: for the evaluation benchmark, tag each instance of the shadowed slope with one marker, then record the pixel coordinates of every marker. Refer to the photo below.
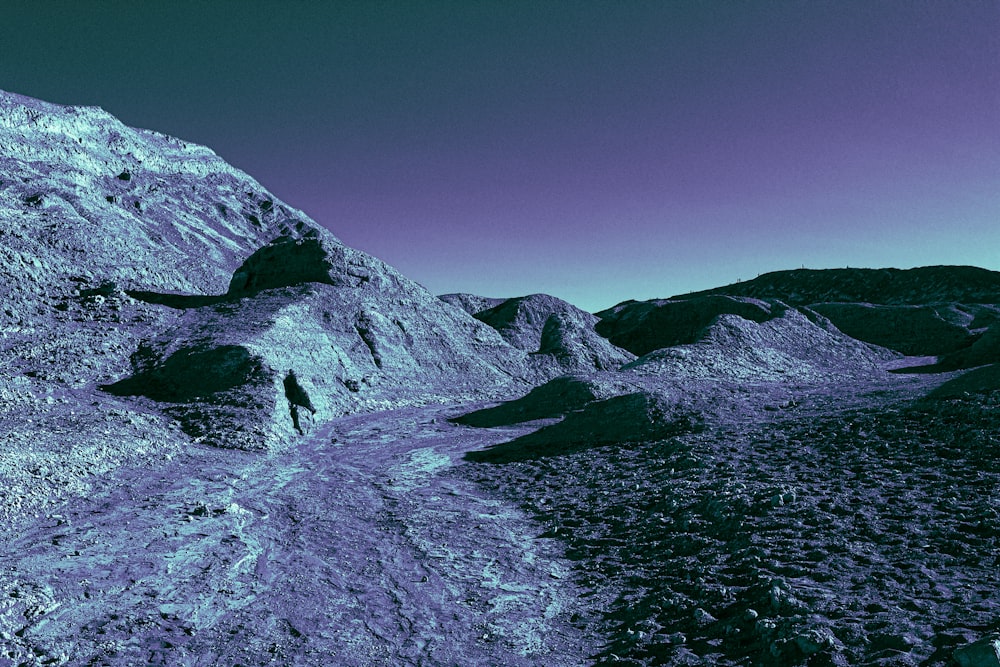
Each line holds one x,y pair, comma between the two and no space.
643,326
923,285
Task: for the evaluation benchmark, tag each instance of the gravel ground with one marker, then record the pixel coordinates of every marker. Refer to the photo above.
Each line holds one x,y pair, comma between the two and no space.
856,526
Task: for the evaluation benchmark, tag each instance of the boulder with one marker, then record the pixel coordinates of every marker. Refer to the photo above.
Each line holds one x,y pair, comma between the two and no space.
982,653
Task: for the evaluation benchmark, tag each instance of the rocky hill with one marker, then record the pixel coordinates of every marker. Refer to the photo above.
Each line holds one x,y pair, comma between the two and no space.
148,266
308,330
558,333
891,287
932,310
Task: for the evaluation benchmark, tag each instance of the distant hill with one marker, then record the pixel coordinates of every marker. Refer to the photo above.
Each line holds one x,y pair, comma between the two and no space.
923,285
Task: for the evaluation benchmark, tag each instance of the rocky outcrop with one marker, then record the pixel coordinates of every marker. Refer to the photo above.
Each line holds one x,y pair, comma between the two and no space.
555,330
791,347
570,340
355,334
520,320
80,191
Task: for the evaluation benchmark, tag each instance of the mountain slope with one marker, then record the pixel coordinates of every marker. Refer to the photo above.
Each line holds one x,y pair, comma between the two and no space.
922,285
133,260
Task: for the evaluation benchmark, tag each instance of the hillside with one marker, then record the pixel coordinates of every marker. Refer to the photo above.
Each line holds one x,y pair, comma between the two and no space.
892,287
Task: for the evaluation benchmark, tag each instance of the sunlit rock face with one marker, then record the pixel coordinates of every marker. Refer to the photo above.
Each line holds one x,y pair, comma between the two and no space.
84,196
149,266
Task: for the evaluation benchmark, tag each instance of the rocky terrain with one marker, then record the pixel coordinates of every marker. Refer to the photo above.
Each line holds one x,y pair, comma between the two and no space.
228,438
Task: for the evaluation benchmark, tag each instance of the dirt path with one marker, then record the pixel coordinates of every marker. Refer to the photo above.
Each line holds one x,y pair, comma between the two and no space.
363,545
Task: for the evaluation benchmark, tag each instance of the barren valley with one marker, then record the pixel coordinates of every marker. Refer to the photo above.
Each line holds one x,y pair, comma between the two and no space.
230,439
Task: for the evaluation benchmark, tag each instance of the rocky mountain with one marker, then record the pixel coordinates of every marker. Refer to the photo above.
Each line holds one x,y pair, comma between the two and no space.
231,439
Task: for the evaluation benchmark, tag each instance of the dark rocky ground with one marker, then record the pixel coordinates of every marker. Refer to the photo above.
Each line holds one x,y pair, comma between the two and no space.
855,525
229,439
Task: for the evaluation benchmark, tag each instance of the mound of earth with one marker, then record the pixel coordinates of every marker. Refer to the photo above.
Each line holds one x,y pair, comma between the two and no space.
635,417
555,398
570,340
643,326
922,285
471,303
354,333
556,330
912,330
520,320
784,348
982,380
985,350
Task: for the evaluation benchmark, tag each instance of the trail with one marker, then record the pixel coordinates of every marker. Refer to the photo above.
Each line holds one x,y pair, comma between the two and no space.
361,545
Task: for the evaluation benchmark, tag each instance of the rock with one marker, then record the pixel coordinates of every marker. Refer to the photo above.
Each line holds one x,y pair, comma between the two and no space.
982,653
813,641
703,618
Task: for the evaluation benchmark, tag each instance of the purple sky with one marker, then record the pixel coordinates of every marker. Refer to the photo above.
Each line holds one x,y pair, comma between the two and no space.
596,151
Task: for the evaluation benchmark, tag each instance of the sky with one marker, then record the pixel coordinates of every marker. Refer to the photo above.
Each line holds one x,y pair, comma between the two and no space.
595,151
